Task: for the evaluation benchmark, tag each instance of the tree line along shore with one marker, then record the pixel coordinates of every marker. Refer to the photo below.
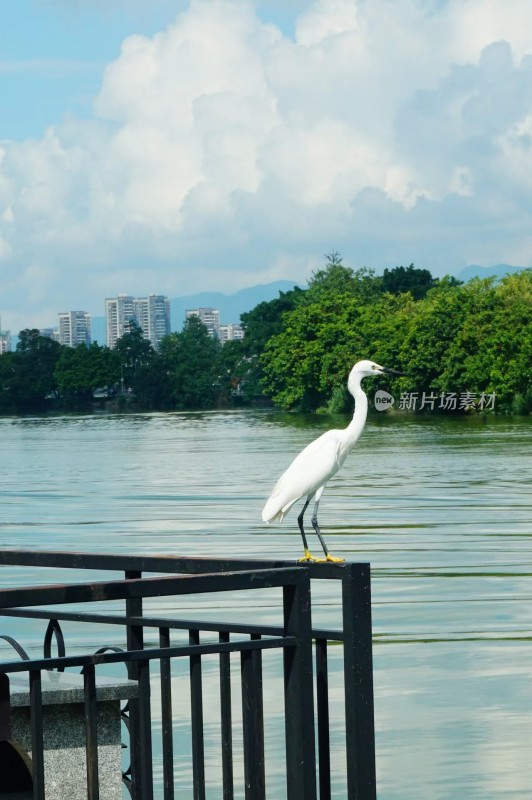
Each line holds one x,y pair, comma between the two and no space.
468,341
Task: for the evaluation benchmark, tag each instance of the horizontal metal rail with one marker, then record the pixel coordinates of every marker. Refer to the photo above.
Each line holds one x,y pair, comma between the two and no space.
153,654
148,587
184,565
329,634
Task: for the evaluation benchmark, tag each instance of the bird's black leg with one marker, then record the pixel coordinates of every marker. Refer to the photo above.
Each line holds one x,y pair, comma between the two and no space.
316,527
307,556
328,556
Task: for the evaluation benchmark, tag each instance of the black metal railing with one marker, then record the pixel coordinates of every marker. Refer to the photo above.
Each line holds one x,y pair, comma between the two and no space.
295,638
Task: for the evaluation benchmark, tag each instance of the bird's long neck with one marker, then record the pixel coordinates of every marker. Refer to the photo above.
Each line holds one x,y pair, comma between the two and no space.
356,426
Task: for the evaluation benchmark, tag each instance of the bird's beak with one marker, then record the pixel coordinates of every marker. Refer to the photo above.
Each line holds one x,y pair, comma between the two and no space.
392,371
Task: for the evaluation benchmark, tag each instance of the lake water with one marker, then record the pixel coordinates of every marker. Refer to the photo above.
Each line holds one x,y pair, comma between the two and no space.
440,507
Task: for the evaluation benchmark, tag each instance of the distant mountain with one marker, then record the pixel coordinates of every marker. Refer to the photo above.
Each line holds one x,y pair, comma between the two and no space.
231,306
497,271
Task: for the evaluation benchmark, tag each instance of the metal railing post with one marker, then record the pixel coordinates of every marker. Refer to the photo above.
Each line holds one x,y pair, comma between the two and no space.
91,732
37,746
226,720
135,641
358,676
322,702
196,709
166,718
299,696
253,733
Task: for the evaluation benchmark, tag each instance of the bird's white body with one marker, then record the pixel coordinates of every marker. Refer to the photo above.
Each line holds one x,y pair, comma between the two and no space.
312,468
310,471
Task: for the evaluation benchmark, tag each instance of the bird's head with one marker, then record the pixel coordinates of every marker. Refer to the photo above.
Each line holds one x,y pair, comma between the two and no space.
366,368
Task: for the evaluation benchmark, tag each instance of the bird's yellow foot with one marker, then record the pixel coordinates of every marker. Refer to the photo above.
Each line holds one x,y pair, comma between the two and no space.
331,559
307,557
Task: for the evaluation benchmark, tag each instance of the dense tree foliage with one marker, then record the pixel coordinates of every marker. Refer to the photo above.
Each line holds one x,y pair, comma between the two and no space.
80,371
446,337
27,376
192,363
408,279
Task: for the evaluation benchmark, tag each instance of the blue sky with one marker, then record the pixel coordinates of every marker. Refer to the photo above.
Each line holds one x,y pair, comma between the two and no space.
179,145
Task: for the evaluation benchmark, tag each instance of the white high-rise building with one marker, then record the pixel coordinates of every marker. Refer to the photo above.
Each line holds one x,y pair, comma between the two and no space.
74,328
50,333
210,318
158,318
151,314
119,311
5,342
231,332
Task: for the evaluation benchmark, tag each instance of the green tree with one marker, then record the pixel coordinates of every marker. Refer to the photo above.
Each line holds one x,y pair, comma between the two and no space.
191,361
234,372
260,324
134,352
152,387
7,375
428,334
407,279
266,320
83,369
339,279
509,343
475,337
32,381
312,355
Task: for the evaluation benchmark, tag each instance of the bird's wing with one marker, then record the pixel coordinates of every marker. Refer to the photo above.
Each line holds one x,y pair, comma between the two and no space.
308,471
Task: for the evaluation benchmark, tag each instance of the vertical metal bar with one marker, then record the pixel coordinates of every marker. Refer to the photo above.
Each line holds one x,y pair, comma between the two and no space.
299,699
37,742
144,730
196,701
166,718
322,700
135,641
226,720
358,676
259,711
91,734
252,782
253,768
5,708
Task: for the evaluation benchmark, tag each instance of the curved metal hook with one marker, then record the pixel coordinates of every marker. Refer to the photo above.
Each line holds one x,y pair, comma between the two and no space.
16,646
54,629
106,649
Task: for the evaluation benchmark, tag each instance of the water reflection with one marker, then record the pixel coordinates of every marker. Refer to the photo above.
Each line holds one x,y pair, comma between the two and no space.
440,507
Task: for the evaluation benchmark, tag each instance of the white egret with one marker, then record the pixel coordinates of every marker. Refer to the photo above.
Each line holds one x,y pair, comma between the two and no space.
310,471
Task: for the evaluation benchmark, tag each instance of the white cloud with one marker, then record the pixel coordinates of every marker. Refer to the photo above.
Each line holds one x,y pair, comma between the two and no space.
223,152
327,18
473,24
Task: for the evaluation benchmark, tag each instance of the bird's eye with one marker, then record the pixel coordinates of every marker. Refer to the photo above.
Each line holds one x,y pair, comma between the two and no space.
373,366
